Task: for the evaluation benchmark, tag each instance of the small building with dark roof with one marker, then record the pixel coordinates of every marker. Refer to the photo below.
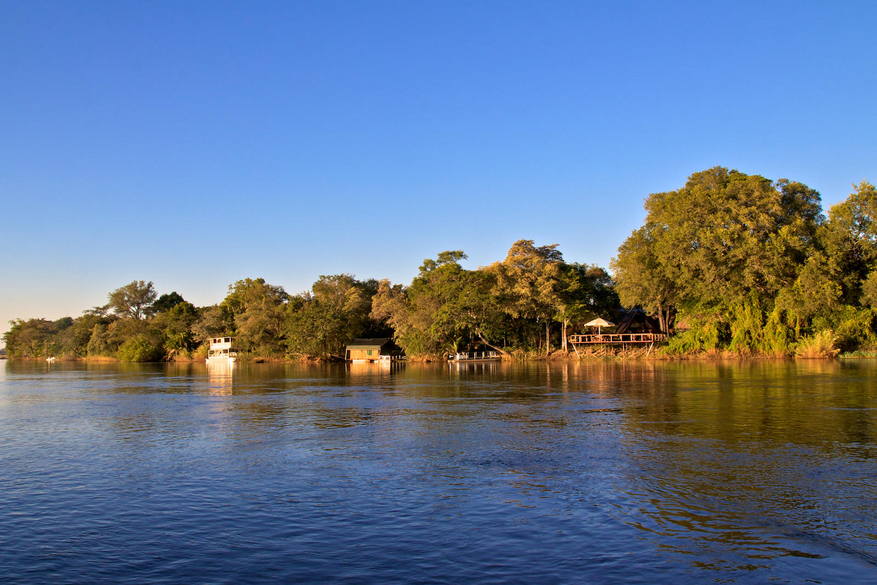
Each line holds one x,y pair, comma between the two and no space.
372,350
636,321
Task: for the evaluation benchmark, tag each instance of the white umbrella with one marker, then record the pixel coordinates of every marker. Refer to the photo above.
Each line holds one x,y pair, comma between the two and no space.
598,323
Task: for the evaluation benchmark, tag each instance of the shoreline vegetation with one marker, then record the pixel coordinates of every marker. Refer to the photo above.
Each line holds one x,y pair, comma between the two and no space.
729,266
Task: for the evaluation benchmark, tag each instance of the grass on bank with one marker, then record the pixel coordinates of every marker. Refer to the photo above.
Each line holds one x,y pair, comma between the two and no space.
822,344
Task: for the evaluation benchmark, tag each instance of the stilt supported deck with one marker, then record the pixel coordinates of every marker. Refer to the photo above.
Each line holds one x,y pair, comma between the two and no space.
616,338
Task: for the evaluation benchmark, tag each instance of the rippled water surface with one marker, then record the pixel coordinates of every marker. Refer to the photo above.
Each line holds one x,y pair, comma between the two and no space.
492,473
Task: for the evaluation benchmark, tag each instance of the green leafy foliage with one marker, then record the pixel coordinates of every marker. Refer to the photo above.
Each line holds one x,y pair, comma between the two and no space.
506,306
750,264
777,334
174,327
213,321
258,310
337,311
850,240
29,338
139,349
707,333
134,300
167,302
99,343
869,290
822,344
746,325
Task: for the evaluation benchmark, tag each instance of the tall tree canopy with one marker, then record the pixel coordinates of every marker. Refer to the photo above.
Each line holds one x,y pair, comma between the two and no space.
505,304
166,302
133,300
529,283
753,264
258,312
850,239
643,280
721,238
322,322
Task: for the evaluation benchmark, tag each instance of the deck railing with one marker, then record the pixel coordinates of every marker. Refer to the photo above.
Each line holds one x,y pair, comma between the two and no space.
618,338
474,355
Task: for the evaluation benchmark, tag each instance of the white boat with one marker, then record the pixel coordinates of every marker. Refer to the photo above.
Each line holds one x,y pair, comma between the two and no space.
221,351
475,356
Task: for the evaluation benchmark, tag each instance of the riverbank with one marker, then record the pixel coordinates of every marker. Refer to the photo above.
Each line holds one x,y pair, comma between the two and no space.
587,354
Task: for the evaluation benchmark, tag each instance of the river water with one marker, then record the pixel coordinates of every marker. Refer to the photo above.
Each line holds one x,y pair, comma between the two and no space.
601,472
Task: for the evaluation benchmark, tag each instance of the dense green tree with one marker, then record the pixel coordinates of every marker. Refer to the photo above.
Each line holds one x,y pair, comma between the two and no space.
133,300
140,349
451,307
337,311
869,290
722,238
422,314
850,240
447,306
836,287
642,280
434,295
77,337
40,337
72,335
28,338
166,302
390,305
478,312
731,233
174,327
817,290
251,293
212,321
529,283
99,343
121,330
258,310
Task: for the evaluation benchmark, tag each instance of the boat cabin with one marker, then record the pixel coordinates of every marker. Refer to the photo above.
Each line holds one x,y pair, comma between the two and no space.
221,349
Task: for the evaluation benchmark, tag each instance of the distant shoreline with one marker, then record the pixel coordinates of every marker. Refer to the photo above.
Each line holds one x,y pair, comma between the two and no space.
700,357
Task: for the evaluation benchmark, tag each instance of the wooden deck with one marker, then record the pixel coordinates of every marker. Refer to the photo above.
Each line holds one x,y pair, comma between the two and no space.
617,338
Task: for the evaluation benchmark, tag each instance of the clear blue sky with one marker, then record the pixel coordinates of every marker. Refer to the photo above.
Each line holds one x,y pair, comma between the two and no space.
196,143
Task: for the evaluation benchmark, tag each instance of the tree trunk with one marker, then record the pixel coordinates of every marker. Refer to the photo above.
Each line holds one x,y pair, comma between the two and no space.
664,320
490,345
547,337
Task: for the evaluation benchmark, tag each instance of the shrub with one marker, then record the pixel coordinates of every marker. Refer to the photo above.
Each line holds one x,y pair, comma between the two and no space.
822,344
704,335
139,349
854,326
777,333
746,321
99,342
